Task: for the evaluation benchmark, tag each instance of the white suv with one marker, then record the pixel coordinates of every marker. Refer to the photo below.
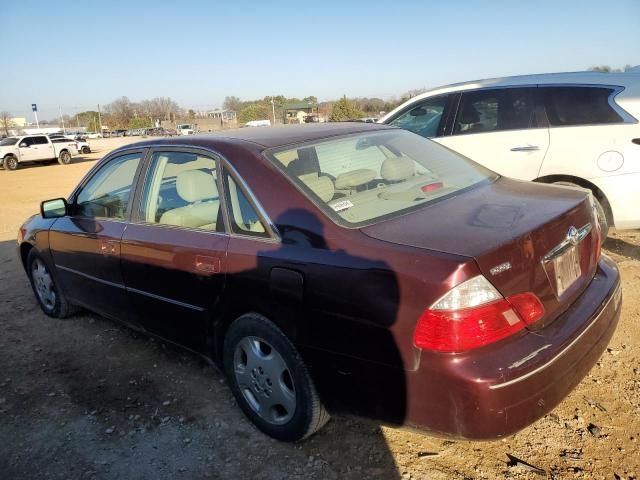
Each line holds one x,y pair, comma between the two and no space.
577,129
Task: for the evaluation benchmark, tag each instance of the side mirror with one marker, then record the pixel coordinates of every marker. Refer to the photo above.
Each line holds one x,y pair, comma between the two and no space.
55,208
418,112
23,145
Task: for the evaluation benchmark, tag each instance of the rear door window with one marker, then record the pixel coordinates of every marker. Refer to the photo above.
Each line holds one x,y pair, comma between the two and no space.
574,105
181,190
425,118
495,110
40,140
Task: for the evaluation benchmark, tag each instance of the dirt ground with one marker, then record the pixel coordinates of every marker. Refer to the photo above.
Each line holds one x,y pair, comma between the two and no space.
86,398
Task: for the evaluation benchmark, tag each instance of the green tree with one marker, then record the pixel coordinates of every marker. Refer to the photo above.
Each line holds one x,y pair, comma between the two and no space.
344,110
192,114
140,122
255,111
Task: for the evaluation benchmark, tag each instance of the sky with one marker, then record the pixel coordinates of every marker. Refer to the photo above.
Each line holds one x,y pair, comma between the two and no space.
75,55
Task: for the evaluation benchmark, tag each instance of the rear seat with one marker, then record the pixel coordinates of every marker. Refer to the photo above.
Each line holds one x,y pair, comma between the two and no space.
194,187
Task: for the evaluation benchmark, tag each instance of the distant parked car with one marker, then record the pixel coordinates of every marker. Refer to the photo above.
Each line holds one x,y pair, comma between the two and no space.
258,123
185,129
351,265
572,129
92,135
36,148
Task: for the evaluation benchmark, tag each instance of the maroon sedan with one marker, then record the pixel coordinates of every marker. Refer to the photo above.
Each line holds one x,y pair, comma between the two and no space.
352,267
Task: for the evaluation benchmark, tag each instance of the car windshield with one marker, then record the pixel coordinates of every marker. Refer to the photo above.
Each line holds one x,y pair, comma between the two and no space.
358,179
8,141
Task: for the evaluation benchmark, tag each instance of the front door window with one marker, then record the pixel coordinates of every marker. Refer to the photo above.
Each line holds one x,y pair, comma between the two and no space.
107,193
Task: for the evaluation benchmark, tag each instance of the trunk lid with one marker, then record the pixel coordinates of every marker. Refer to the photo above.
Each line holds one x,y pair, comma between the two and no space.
517,232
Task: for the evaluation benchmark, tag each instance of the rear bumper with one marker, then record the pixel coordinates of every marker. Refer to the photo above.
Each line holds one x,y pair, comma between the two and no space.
624,197
497,390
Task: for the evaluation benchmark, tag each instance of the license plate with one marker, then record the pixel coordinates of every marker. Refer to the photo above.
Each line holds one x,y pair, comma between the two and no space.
567,269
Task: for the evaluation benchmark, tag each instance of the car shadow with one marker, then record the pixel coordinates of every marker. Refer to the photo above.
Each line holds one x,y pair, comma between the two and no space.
135,406
622,247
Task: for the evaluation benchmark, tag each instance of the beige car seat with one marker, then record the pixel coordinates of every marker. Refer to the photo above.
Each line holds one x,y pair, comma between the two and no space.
194,187
397,169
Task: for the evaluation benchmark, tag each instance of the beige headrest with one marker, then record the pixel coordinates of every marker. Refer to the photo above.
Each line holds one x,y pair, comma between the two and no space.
195,185
397,169
354,178
321,186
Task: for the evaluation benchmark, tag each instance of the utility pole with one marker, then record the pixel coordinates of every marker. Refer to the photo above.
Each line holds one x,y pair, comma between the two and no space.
273,109
99,120
62,120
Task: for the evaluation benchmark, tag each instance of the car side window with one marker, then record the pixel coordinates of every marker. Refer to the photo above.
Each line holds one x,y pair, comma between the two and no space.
26,142
495,110
579,106
425,118
181,190
40,140
243,217
107,193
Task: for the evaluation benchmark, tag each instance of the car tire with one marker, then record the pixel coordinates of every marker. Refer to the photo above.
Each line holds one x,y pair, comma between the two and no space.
602,216
46,287
10,163
64,158
270,381
86,150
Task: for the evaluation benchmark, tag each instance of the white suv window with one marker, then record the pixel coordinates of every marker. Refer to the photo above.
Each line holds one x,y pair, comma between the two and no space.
579,105
495,110
424,118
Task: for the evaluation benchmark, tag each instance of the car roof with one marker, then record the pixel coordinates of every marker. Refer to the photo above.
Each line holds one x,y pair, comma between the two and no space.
587,78
260,138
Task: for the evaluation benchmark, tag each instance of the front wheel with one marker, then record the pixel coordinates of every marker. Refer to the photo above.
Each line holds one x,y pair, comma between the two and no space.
10,163
51,298
86,150
270,381
64,158
602,216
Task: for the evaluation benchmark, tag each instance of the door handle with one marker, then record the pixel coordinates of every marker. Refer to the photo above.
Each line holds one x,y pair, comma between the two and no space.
528,148
207,264
108,248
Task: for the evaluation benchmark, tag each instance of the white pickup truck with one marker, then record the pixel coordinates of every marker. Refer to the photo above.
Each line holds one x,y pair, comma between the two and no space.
35,148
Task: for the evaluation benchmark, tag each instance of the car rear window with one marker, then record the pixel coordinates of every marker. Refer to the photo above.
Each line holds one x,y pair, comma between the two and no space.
579,105
362,178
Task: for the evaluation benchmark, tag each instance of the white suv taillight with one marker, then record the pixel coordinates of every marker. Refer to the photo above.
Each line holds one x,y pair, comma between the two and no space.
474,314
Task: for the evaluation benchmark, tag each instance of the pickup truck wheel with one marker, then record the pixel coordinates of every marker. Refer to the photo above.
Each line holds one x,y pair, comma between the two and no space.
10,163
64,158
86,150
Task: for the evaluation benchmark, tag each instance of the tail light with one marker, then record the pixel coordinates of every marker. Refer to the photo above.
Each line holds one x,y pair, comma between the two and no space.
431,187
474,314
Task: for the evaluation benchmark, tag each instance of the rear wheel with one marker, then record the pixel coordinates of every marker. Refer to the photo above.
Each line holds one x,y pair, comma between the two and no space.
602,216
10,163
64,158
50,297
270,381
